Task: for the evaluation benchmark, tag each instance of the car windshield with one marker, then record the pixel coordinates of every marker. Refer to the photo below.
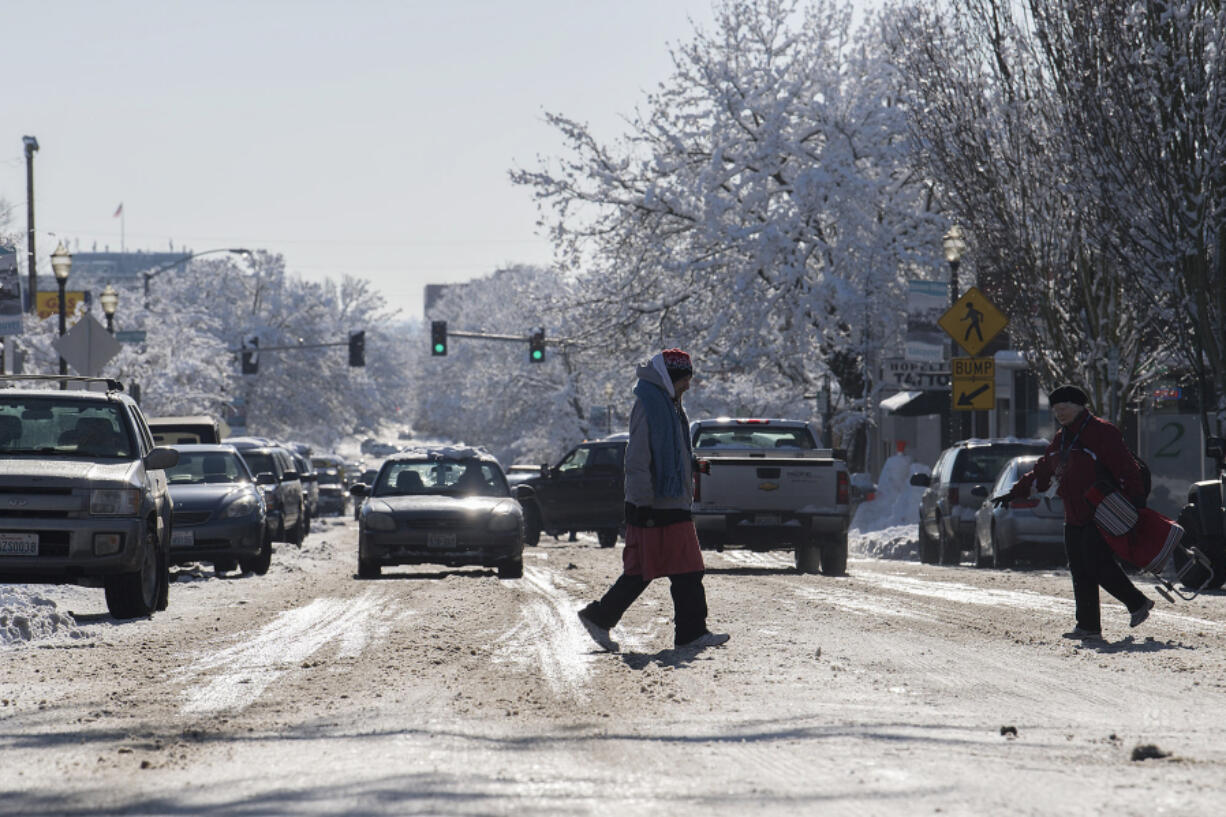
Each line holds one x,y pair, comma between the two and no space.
983,464
65,428
259,462
200,467
754,437
329,476
448,477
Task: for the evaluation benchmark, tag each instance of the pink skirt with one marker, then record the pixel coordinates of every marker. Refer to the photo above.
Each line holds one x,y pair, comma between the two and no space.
665,551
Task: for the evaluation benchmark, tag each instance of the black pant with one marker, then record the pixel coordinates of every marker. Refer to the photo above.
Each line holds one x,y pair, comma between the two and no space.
689,604
1093,565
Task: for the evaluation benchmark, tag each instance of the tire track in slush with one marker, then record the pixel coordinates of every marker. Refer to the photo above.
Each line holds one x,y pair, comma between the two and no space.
234,677
548,637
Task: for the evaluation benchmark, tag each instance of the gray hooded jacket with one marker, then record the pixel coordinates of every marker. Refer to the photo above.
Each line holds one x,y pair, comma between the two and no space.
640,486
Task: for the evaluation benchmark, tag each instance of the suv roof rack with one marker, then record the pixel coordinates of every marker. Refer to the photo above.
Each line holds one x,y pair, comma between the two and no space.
111,383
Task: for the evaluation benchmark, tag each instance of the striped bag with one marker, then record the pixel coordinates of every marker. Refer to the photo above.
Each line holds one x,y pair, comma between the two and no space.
1113,513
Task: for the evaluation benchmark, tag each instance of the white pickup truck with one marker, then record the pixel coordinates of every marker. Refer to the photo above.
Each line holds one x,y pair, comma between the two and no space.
764,484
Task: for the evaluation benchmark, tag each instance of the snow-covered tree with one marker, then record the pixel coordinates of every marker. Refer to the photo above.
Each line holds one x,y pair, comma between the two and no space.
760,211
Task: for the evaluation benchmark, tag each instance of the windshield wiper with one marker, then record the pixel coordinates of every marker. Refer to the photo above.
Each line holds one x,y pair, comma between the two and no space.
46,449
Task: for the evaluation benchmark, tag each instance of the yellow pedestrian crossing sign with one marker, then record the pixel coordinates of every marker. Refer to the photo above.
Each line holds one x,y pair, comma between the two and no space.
973,321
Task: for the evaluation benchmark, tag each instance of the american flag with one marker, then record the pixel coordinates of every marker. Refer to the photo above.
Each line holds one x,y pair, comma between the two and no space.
118,211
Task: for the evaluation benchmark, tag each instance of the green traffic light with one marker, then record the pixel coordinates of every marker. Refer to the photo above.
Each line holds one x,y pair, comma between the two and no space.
537,355
439,348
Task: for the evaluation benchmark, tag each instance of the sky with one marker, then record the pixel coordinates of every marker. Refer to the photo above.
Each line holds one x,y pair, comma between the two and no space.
364,137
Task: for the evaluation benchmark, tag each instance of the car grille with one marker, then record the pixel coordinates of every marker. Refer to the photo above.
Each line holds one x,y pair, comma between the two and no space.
444,522
191,517
34,489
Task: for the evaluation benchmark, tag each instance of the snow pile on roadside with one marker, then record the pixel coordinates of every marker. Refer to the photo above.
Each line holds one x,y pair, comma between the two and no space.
886,527
26,616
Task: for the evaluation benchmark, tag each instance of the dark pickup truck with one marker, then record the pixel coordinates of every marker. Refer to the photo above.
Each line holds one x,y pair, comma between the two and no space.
583,492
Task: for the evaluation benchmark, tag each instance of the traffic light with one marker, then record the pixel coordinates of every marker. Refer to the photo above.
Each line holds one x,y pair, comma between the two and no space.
536,346
438,338
357,348
251,356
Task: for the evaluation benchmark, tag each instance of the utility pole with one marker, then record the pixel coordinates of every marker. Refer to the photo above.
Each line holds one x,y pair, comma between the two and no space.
31,146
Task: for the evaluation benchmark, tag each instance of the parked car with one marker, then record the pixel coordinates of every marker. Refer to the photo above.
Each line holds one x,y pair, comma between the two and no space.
448,506
333,491
186,430
85,493
310,488
1029,530
1203,520
283,494
583,492
220,515
947,506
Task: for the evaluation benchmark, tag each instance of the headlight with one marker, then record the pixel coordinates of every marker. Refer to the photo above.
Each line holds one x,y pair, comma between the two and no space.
378,521
244,505
504,517
114,503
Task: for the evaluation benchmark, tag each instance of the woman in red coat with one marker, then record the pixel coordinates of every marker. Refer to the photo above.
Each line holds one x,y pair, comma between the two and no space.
1083,448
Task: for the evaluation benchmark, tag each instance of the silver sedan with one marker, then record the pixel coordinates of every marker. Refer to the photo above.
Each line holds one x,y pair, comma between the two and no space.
1029,530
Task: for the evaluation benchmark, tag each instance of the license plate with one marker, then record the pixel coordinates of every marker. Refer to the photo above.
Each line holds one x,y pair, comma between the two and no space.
440,540
766,519
18,544
182,538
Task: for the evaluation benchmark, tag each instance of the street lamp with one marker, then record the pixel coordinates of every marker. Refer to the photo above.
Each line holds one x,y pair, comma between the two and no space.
61,263
150,275
109,300
31,147
954,246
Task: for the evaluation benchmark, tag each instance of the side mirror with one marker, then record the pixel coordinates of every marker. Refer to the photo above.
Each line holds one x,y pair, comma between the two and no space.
980,491
308,477
161,458
545,470
1215,448
289,476
359,489
921,480
266,478
521,491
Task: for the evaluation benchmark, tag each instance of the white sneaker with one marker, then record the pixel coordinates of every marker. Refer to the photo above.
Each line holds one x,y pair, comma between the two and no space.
705,640
599,634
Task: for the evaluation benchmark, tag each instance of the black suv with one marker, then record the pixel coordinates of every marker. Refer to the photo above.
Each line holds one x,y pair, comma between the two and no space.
283,494
585,491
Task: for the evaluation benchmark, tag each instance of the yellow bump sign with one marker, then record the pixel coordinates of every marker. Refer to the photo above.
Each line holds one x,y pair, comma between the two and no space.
974,383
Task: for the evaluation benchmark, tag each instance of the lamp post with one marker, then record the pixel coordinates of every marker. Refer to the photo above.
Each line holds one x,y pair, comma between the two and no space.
954,245
109,300
151,274
31,146
61,263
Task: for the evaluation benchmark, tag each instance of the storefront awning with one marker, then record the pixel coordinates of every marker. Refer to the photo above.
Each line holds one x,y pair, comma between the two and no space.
917,403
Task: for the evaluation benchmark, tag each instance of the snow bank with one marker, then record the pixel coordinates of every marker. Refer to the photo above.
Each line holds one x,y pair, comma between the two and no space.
26,616
886,526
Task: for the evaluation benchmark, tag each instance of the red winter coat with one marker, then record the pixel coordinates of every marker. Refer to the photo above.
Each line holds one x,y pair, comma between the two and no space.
1074,458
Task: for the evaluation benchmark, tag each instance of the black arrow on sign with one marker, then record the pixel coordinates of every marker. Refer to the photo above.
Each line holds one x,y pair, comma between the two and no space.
968,398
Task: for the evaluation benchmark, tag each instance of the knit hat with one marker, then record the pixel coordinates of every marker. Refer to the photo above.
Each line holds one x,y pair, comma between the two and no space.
1068,394
677,363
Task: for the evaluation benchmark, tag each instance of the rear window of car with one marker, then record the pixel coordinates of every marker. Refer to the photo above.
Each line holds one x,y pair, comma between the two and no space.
259,462
983,464
201,467
754,437
68,428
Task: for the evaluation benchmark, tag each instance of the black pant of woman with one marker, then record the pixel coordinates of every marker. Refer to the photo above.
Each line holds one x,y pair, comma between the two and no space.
1093,565
689,604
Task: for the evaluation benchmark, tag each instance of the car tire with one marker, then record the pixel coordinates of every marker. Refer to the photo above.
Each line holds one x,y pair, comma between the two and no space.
164,576
947,546
224,566
368,570
532,526
982,560
1000,559
607,537
258,564
306,523
927,545
808,556
297,535
511,570
834,556
135,594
